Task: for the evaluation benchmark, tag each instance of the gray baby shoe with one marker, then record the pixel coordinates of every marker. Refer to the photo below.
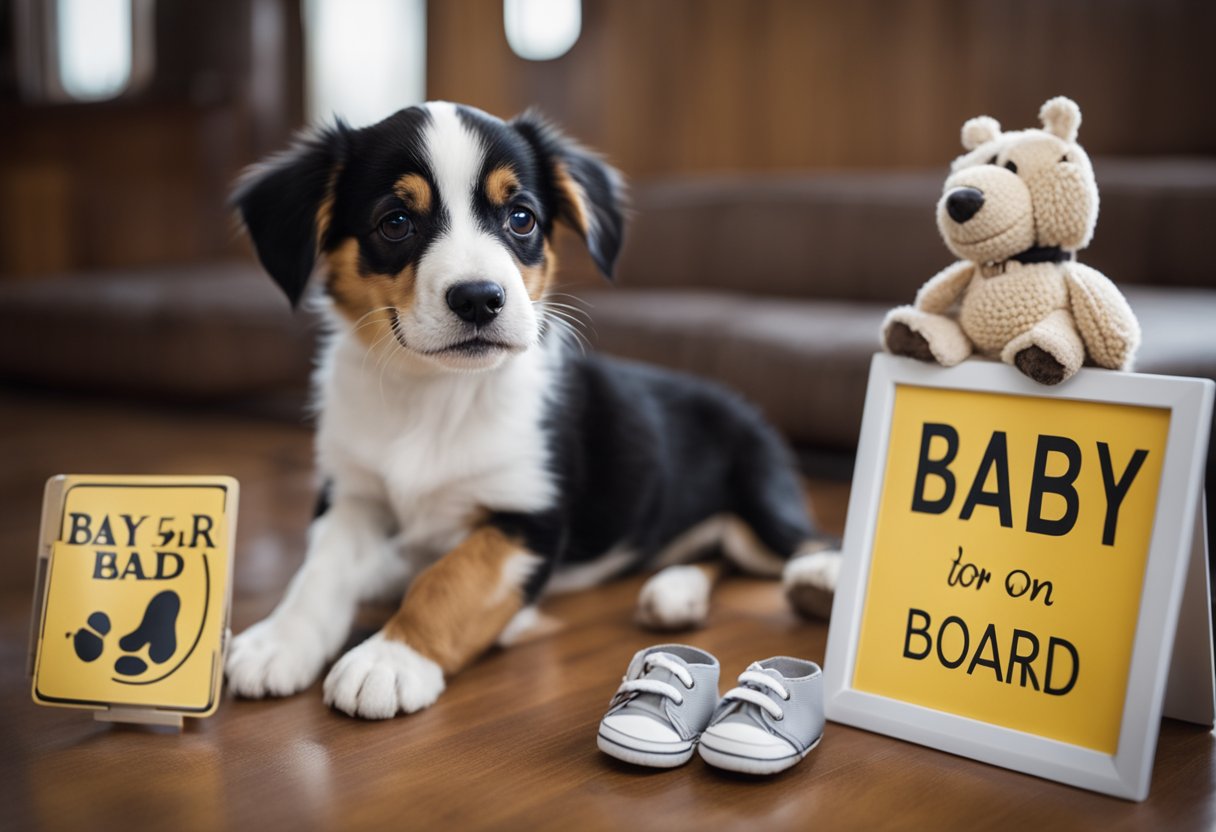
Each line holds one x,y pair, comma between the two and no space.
663,704
771,721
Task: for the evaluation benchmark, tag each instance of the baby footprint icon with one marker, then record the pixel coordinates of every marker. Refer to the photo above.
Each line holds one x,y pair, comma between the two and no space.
88,640
158,630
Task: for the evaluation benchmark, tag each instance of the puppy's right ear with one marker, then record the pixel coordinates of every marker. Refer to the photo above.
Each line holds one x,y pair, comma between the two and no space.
285,204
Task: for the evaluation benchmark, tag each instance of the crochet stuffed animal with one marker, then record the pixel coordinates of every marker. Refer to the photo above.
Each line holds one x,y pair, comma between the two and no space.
1016,208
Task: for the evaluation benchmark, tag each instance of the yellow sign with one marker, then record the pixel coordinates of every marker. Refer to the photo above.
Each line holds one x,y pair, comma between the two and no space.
134,606
1009,557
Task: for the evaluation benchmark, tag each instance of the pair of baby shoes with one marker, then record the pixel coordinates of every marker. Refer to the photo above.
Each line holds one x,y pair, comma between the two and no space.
668,704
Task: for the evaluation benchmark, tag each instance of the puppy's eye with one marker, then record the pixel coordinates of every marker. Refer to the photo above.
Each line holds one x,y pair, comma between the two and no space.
1011,167
522,222
1064,158
992,161
395,226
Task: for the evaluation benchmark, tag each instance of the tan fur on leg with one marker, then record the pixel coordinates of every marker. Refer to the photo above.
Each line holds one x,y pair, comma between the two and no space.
457,607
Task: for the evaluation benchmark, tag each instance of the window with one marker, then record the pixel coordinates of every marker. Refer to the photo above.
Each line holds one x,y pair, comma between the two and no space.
365,59
541,30
82,50
93,39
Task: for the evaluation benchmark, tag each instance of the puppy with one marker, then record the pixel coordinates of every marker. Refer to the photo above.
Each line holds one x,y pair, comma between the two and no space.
472,460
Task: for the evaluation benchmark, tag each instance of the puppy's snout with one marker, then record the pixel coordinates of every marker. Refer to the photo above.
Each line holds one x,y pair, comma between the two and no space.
476,301
964,203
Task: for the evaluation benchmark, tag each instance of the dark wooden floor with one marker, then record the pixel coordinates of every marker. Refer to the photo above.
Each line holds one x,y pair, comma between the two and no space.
511,745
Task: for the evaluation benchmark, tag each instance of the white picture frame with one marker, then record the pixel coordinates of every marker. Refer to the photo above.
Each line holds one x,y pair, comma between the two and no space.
1175,542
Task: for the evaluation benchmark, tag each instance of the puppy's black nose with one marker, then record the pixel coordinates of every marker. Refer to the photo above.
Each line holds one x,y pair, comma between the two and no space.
964,203
478,301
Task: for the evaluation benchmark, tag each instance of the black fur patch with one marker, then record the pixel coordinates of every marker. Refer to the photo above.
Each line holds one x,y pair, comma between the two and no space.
642,454
278,202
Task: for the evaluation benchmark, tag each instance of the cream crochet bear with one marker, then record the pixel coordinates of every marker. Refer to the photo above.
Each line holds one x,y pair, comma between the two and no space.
1015,208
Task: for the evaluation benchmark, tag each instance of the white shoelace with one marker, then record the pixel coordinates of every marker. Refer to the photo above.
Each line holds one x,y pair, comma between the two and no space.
755,697
668,663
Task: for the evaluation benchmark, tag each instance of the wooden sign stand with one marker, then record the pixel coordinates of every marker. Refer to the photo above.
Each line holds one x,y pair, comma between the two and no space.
1162,632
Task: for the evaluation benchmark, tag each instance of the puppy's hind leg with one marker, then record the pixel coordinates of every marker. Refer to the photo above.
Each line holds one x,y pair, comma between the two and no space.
774,534
810,581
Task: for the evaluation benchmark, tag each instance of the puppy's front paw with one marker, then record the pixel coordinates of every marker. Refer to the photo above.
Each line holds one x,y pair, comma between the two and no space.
381,678
810,583
676,598
275,657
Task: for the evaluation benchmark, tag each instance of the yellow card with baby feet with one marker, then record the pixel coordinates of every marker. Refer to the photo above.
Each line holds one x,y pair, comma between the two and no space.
133,595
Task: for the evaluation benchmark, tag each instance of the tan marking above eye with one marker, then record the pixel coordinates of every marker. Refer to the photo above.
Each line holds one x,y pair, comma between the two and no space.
501,185
415,192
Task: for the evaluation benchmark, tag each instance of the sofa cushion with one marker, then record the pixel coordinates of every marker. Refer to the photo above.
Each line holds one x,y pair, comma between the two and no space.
872,236
806,362
208,330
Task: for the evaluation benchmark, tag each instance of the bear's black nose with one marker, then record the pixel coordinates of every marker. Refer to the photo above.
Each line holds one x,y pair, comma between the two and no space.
477,302
964,203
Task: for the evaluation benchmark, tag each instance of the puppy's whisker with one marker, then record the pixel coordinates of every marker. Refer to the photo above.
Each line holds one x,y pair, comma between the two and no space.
576,298
574,310
565,327
362,320
576,337
388,349
561,309
576,323
379,340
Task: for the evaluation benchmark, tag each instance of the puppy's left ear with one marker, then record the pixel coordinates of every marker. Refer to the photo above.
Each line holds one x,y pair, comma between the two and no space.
285,205
590,193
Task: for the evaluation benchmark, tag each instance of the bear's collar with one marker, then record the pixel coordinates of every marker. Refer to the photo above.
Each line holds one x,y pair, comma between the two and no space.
1032,255
1042,254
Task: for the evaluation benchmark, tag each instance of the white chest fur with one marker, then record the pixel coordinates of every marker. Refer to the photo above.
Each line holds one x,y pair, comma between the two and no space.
435,447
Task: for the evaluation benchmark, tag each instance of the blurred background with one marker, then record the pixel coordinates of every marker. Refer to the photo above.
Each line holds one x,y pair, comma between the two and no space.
125,120
785,157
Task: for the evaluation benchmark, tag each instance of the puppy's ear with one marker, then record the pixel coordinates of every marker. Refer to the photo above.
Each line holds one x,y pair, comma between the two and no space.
590,193
285,204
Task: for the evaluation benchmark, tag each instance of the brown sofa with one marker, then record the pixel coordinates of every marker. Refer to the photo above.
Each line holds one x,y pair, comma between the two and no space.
778,285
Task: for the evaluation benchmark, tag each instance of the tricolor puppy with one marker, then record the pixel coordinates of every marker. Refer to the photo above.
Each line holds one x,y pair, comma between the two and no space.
472,461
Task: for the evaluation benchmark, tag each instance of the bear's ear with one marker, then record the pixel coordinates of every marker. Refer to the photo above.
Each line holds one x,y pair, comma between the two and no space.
284,204
979,130
588,192
1061,117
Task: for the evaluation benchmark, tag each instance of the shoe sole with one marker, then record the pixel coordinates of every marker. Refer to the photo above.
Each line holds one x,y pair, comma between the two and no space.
638,757
751,765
